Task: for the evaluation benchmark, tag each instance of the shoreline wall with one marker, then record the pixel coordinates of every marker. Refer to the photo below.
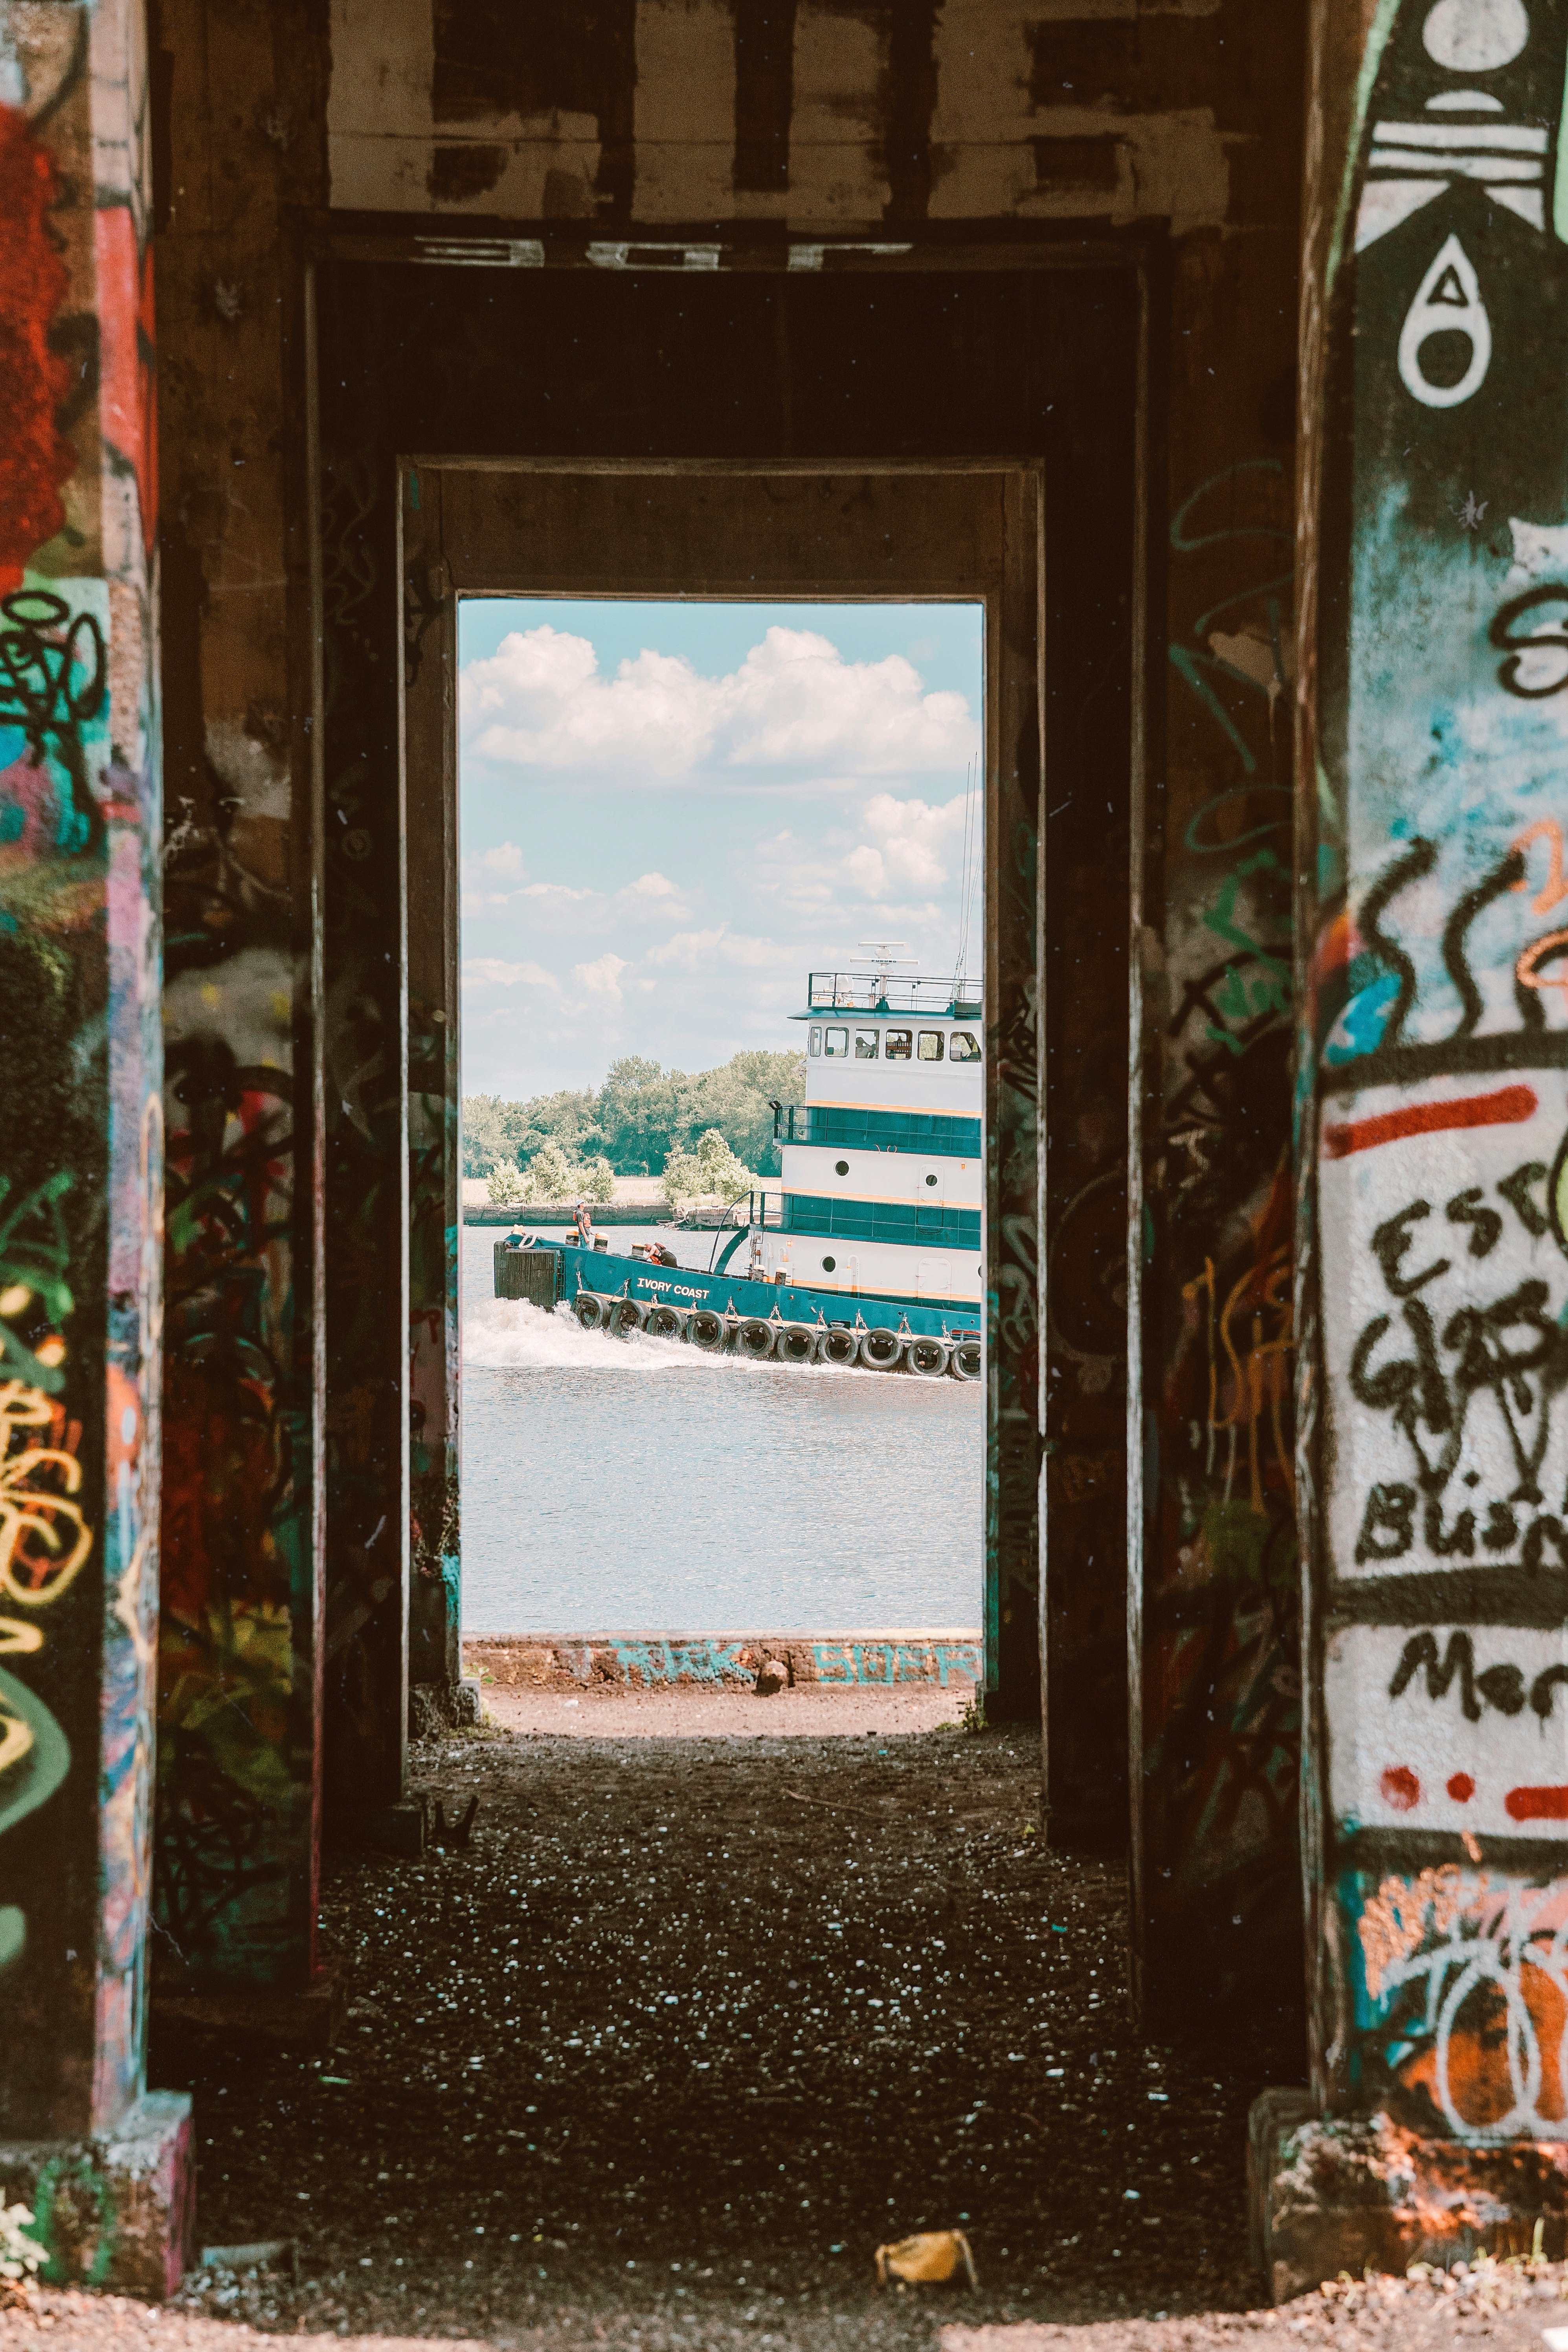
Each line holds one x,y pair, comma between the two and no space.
657,1660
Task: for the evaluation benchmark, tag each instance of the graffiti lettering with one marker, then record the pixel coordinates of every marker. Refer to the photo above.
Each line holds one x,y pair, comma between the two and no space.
54,679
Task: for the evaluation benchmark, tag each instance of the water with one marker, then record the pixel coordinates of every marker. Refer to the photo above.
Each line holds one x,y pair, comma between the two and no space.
639,1485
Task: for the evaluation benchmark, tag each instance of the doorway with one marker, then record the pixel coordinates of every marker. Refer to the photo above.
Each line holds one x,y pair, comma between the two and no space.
720,1270
949,357
743,532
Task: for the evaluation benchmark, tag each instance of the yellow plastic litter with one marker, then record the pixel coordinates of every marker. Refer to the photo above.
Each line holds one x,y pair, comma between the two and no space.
927,2259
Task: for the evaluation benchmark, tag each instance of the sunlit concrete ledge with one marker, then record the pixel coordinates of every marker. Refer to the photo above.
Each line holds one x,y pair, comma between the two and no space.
115,2209
640,1660
1330,2194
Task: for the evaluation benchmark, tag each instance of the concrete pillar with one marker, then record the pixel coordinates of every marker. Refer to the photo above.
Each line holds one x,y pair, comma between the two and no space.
366,1237
1433,1218
238,124
1213,1592
106,2167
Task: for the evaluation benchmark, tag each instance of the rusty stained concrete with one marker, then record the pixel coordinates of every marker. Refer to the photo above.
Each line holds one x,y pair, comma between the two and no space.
875,131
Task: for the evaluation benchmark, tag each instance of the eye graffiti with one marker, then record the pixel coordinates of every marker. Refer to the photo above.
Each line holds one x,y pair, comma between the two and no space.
1464,115
1447,301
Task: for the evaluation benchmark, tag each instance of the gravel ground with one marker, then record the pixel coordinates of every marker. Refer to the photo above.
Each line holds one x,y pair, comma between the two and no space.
695,2021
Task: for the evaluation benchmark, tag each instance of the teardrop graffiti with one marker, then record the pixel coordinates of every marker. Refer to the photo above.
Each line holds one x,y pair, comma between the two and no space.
1447,301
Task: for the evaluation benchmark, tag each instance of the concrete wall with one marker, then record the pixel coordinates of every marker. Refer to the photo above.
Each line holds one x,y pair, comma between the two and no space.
1436,1033
81,1190
1172,127
239,94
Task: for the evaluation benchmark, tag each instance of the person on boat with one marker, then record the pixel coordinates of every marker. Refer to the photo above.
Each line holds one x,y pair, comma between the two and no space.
584,1226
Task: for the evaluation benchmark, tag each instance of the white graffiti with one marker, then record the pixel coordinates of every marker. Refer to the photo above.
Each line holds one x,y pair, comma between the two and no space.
1472,36
1447,301
1505,1962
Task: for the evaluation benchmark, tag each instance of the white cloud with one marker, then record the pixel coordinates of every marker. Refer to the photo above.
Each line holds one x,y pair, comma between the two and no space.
912,846
717,950
907,853
557,909
540,701
601,977
490,875
494,972
650,894
504,862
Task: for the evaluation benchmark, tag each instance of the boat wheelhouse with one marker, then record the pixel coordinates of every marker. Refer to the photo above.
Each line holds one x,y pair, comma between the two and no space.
882,1164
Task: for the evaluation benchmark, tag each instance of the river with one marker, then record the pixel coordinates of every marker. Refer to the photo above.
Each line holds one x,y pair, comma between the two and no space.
618,1485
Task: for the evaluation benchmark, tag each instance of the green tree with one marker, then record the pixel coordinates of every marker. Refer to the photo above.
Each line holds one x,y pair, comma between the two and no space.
596,1180
484,1142
685,1178
640,1116
551,1175
727,1177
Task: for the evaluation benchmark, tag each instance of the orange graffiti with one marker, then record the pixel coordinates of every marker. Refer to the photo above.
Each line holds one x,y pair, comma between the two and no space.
44,1539
1527,971
1259,1376
1555,890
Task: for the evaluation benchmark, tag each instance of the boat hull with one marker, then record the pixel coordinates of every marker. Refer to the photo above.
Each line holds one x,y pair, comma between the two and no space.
606,1271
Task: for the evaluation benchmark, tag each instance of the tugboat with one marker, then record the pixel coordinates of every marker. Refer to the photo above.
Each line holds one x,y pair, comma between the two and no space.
869,1252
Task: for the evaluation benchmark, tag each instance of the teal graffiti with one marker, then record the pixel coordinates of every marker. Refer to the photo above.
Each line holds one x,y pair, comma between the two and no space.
35,1252
29,1781
64,2184
1197,663
1262,983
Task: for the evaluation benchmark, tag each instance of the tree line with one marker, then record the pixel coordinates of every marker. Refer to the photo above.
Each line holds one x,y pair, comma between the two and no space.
640,1116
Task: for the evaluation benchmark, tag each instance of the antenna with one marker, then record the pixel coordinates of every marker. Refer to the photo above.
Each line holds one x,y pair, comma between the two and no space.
882,955
966,894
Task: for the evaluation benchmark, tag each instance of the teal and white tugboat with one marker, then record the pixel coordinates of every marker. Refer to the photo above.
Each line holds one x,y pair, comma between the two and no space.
869,1251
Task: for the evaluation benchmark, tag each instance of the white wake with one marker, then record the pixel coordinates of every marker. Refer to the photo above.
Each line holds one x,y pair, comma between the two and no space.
507,1334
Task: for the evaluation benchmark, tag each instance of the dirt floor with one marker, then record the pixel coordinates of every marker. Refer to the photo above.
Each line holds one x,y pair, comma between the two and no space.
698,2018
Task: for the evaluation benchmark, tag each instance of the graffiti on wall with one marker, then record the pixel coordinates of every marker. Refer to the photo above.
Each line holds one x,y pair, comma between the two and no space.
1222,1707
81,1174
44,1542
1439,1025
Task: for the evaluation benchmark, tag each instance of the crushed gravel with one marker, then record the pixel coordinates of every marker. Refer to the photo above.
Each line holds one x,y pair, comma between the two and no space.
696,2021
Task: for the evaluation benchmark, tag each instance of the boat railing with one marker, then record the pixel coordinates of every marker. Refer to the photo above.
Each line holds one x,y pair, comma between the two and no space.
942,1135
883,992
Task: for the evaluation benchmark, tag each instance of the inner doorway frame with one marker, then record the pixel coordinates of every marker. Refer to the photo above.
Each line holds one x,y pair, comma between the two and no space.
448,510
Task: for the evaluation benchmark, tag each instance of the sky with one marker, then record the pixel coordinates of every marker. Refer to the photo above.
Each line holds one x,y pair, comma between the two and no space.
670,813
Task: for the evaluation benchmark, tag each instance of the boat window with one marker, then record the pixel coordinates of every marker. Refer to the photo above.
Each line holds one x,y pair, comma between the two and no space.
964,1047
930,1045
866,1044
836,1040
898,1045
817,1036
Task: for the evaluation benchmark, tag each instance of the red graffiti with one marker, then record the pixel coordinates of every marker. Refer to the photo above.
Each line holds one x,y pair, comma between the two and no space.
1400,1789
35,460
1537,1804
1506,1108
128,408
